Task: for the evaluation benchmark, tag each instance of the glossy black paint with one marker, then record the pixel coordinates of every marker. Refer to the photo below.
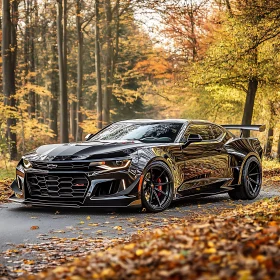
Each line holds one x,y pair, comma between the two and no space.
60,174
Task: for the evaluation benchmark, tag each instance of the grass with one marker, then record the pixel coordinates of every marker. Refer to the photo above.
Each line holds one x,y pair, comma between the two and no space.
7,169
7,173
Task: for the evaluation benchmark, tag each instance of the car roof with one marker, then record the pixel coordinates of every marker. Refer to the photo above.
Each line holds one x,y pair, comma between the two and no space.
163,121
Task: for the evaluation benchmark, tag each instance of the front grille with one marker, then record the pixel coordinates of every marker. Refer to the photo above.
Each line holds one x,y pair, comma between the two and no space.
57,186
60,165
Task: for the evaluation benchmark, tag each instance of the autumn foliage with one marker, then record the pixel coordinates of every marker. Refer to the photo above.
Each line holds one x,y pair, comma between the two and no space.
241,243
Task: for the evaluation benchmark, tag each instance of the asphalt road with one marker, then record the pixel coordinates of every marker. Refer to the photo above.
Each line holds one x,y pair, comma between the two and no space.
33,239
16,220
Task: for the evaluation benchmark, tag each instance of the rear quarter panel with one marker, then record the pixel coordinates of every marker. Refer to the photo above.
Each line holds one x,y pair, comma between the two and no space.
240,149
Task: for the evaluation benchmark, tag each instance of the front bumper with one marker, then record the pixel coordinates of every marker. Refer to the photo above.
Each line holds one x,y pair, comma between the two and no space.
129,196
120,201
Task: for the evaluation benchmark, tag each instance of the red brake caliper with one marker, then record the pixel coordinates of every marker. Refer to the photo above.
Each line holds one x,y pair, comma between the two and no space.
159,187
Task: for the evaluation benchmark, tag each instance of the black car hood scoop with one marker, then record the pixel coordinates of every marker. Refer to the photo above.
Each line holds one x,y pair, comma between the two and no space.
85,150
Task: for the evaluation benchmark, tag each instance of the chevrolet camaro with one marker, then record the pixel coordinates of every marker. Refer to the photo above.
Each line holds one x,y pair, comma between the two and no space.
143,163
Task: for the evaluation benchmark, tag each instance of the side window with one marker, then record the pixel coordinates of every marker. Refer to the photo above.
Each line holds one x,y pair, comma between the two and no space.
217,131
204,130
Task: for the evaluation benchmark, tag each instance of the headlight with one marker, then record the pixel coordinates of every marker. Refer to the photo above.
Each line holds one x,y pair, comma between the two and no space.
27,164
111,165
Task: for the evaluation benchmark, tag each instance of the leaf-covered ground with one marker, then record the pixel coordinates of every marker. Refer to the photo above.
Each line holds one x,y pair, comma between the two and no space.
205,244
243,243
5,191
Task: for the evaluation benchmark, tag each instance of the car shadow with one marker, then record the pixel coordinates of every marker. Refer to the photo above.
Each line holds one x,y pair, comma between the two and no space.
183,203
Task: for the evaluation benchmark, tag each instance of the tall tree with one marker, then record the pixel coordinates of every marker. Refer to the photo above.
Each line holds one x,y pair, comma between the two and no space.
79,131
9,53
98,66
53,77
109,61
187,25
62,62
242,55
31,58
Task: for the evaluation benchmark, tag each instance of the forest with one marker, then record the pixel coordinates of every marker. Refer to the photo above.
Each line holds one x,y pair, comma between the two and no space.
71,67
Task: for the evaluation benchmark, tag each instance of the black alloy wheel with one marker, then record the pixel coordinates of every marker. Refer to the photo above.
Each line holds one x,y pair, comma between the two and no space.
157,187
251,181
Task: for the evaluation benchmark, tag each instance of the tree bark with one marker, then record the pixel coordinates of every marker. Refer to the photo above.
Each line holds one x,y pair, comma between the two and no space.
249,104
97,66
32,97
116,53
109,62
62,75
26,40
278,148
9,52
73,119
269,142
54,91
79,131
65,41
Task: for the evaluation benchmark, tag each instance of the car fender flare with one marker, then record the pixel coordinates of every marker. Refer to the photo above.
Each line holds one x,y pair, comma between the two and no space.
243,163
165,159
158,158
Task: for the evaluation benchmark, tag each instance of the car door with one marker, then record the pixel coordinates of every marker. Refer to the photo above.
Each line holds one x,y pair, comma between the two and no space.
205,162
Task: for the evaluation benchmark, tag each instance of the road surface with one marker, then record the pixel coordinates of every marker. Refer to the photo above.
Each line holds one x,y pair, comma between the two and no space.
48,235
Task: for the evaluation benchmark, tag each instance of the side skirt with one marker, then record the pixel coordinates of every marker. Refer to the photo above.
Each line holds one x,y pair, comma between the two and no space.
203,194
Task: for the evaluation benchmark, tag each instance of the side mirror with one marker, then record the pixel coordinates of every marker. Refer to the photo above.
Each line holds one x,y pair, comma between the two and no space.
192,138
88,136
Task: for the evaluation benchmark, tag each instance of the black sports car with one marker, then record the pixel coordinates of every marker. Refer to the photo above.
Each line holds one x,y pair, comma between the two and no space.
147,163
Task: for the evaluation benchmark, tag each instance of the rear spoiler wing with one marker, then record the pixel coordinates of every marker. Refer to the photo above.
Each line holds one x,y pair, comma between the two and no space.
260,128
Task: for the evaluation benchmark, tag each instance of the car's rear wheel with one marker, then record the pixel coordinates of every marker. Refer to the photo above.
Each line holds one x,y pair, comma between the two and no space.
251,181
157,187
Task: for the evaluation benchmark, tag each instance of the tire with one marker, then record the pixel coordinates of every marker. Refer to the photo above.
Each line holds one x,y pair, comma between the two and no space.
251,181
157,187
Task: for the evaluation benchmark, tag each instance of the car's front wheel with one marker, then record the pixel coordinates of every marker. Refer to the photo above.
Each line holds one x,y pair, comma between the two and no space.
251,181
157,187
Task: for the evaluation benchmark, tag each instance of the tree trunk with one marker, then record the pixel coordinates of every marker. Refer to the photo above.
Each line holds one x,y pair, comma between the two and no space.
62,75
278,148
79,131
9,51
116,54
73,118
32,98
193,35
26,40
249,104
109,61
97,67
54,91
269,142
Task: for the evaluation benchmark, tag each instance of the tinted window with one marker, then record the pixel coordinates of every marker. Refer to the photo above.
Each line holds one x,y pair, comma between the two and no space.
146,132
217,131
204,130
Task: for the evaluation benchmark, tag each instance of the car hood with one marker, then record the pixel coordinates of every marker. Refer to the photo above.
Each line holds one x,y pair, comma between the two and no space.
85,150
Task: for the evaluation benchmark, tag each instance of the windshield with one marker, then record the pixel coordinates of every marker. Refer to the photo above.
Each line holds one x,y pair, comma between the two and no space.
145,132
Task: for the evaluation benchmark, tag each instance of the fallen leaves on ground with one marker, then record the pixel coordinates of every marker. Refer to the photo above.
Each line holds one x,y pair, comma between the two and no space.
271,179
241,243
34,227
53,252
5,190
